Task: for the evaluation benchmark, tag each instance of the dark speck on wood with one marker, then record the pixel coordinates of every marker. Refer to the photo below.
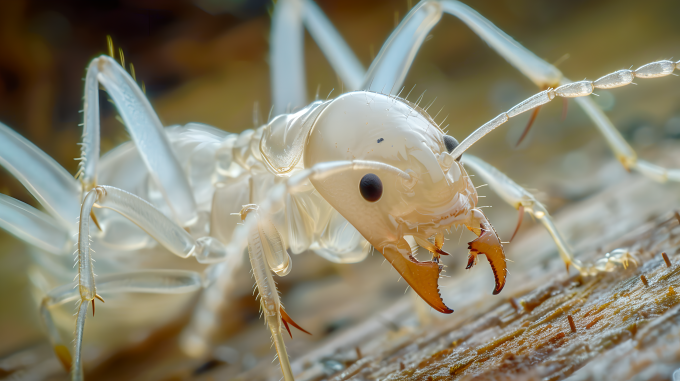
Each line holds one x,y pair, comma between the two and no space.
380,140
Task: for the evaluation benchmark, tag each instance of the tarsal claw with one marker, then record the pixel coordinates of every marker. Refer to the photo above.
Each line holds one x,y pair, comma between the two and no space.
487,243
423,277
288,320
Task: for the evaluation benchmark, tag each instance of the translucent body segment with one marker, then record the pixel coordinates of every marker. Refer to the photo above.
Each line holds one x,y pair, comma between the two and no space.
228,198
286,47
575,89
339,55
241,148
147,132
299,224
388,70
341,242
274,249
225,156
537,70
615,79
655,69
56,190
283,138
209,250
530,103
33,226
269,297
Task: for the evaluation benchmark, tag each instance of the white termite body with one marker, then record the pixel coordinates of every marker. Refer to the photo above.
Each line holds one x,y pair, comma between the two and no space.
306,180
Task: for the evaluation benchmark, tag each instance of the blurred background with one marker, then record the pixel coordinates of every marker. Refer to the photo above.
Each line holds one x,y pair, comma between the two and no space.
207,61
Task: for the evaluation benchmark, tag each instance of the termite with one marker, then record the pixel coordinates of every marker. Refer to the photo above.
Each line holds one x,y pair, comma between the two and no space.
365,169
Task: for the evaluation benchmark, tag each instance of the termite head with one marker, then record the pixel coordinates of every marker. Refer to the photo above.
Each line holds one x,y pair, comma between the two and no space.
383,205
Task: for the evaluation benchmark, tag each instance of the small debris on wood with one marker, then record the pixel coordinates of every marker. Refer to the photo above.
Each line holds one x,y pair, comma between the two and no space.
571,323
665,259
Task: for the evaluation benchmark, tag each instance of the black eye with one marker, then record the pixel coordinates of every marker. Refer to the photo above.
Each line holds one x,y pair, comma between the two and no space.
371,187
450,142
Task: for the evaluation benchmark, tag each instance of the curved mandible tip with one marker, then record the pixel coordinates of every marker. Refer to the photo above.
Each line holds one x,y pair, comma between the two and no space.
423,277
489,244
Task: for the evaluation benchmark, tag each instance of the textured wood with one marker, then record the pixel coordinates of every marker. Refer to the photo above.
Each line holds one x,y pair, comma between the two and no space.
623,328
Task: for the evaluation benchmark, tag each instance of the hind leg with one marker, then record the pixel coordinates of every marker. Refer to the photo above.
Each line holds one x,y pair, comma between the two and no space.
146,131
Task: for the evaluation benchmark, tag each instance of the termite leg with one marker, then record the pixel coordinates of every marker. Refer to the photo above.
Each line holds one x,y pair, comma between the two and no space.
269,295
389,69
147,281
56,190
287,53
519,221
33,226
145,129
518,197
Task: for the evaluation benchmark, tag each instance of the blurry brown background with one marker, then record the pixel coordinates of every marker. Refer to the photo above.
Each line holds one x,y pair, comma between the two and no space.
206,61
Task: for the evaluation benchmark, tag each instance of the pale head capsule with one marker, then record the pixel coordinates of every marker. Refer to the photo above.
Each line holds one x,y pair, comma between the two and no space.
382,205
380,128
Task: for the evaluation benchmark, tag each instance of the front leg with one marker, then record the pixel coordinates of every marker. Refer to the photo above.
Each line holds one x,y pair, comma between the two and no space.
268,254
487,243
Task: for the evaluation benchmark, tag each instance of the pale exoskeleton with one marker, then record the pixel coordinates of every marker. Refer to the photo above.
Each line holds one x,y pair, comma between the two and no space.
365,168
